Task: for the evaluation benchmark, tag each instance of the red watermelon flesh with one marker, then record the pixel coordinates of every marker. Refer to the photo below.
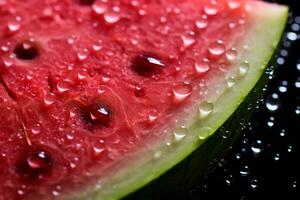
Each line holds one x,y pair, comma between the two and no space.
84,84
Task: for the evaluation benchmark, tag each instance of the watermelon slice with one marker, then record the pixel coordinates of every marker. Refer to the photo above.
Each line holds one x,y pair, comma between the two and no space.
100,97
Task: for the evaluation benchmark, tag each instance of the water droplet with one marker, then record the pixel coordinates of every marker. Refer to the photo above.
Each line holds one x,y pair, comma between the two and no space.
152,117
295,27
280,61
231,54
82,74
70,136
225,134
142,12
97,46
83,54
188,40
292,36
297,110
297,83
290,148
63,86
210,9
99,7
254,184
71,40
55,193
283,87
98,147
271,122
277,157
282,133
8,62
36,129
257,147
294,184
202,67
231,82
243,68
204,133
157,154
202,22
229,180
49,98
272,102
205,109
181,91
139,91
245,171
5,48
39,160
21,192
14,26
111,17
238,156
217,48
179,134
233,4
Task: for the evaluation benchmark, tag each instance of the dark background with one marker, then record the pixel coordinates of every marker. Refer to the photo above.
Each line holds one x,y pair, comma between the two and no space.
265,161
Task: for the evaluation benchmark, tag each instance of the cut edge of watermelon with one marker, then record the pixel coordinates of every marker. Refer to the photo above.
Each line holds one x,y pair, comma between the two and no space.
262,40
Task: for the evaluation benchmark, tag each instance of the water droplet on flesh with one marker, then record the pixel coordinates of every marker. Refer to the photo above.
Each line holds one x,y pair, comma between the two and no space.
63,86
202,22
202,67
231,54
233,4
188,40
181,91
111,17
216,49
14,26
83,54
99,7
49,98
210,9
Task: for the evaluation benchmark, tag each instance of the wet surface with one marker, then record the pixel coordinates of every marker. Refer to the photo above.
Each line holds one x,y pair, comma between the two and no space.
264,162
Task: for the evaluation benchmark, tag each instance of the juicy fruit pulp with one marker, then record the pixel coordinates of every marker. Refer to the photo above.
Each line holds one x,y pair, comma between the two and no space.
89,86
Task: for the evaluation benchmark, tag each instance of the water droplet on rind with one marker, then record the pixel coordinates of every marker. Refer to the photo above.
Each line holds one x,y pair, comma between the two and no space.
204,133
205,109
230,82
245,171
243,69
179,134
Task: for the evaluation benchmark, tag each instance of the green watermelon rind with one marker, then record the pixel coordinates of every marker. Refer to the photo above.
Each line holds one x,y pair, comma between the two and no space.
262,41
